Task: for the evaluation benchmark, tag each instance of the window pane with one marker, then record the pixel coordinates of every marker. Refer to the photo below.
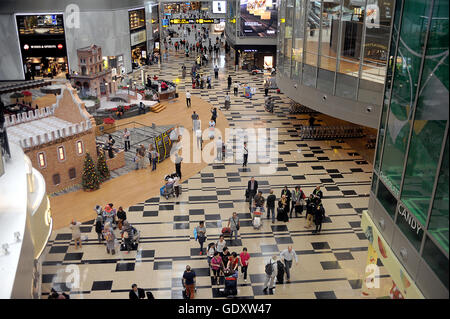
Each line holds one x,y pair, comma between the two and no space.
329,34
299,34
374,183
430,118
436,260
352,27
404,88
387,93
325,80
346,86
387,199
438,226
312,32
309,75
287,49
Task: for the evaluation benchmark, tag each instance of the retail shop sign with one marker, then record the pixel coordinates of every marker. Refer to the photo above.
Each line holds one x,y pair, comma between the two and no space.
409,218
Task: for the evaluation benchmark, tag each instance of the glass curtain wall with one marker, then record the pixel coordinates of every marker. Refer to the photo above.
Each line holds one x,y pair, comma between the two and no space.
338,46
413,163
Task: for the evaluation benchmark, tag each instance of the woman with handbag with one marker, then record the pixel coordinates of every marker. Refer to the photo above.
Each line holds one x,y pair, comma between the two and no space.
298,200
121,217
282,212
288,195
216,266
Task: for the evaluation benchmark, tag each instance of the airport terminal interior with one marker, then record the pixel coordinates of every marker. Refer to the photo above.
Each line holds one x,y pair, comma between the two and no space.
246,149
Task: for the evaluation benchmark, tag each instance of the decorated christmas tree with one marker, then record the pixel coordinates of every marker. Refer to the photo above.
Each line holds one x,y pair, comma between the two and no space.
102,168
90,179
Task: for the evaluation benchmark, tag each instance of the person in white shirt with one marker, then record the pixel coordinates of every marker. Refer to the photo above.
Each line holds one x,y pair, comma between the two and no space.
212,127
287,256
126,139
244,164
176,185
188,99
219,148
236,88
270,278
221,243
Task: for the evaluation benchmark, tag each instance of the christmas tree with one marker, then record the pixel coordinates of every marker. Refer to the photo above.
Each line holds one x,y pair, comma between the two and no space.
90,179
102,168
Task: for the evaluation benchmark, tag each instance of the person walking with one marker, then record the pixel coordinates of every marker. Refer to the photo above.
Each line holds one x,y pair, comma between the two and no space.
178,160
287,256
271,205
318,194
126,139
189,282
234,225
214,114
282,212
225,254
136,293
252,189
201,235
121,217
310,208
220,244
76,233
194,118
266,87
229,82
153,156
245,258
288,195
258,203
319,216
216,266
141,156
236,88
216,72
244,164
198,134
271,270
99,228
233,262
108,234
210,252
298,198
188,99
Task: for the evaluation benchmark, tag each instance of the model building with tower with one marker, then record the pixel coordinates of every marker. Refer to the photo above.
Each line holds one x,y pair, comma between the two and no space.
92,78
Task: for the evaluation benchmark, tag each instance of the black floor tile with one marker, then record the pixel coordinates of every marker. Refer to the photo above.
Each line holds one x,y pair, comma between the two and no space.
58,249
153,200
349,192
320,245
332,171
244,215
279,228
344,205
298,177
202,272
147,253
356,170
180,218
48,278
181,226
166,207
162,265
73,256
291,165
317,167
355,284
233,242
283,240
102,285
344,256
223,193
216,224
125,266
214,217
202,198
196,251
150,213
332,188
355,224
326,180
63,237
196,211
328,265
226,205
257,278
323,158
336,176
208,180
308,155
325,295
361,236
137,208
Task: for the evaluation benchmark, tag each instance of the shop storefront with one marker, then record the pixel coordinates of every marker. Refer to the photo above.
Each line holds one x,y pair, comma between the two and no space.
43,45
261,57
138,37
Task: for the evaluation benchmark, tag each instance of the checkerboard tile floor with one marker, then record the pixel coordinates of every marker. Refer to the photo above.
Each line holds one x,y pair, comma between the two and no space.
331,264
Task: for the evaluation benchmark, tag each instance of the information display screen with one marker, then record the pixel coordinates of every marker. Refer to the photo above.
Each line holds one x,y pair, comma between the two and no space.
219,6
259,18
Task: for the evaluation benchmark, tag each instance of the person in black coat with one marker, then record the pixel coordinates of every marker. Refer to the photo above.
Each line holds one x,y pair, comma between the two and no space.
136,293
319,216
252,189
288,194
229,82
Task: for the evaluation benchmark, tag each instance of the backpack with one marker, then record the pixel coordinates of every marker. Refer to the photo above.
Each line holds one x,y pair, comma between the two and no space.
269,269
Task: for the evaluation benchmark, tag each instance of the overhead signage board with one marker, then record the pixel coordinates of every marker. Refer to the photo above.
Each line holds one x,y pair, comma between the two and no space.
194,21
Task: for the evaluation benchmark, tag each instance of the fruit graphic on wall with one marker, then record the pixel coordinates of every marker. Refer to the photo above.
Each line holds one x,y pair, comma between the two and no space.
381,248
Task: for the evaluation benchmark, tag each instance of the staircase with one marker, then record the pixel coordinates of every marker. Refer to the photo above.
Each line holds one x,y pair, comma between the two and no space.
158,108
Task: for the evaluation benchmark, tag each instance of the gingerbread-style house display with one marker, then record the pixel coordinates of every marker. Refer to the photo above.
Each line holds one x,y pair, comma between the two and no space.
92,78
57,138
